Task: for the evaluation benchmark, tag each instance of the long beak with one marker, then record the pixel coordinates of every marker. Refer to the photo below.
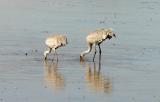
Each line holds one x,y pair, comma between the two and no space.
81,59
114,35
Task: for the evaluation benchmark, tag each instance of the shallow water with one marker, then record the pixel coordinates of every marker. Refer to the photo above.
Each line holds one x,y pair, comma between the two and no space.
129,70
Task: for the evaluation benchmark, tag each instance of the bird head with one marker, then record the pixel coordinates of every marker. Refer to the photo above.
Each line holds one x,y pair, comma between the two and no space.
45,55
81,58
109,33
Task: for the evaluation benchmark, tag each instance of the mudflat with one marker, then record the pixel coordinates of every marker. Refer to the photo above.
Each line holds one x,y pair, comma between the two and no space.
129,69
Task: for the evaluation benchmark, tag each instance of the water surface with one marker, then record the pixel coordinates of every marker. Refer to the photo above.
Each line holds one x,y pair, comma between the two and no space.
129,70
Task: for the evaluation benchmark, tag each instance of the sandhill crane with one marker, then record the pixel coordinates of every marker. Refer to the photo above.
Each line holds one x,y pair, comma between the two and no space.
53,42
96,38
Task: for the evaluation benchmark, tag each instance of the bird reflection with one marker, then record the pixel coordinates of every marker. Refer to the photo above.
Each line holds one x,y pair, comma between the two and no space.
96,81
52,77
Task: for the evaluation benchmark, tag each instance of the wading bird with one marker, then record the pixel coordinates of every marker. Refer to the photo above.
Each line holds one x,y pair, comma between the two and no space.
53,42
96,38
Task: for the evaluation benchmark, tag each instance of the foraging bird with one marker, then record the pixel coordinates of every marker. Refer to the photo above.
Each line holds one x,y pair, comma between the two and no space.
53,42
96,38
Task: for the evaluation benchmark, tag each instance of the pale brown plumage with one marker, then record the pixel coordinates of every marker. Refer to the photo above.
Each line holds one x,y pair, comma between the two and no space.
53,42
96,37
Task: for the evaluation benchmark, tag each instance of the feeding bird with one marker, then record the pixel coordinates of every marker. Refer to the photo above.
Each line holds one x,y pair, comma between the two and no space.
96,38
54,42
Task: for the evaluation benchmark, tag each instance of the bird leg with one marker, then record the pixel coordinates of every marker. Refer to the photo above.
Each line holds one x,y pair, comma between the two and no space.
95,68
47,52
95,51
55,54
99,69
99,52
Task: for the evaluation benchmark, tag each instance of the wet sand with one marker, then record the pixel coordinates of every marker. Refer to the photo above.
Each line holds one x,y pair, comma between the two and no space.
130,63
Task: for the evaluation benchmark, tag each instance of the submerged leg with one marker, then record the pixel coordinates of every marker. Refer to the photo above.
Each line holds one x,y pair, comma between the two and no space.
95,51
99,52
56,54
99,67
95,68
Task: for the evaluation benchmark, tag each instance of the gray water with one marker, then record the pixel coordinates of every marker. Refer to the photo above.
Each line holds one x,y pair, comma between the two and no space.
130,63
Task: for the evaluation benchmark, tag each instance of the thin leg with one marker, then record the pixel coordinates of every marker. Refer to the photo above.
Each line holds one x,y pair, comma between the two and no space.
56,55
99,69
94,69
95,51
99,52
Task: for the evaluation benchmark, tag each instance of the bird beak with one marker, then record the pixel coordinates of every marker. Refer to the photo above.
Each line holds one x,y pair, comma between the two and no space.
81,59
114,35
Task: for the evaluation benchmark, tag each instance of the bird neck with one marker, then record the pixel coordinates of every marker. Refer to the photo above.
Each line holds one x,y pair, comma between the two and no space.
87,51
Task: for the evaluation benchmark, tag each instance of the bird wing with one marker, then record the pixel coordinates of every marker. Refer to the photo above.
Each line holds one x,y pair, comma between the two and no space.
95,37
